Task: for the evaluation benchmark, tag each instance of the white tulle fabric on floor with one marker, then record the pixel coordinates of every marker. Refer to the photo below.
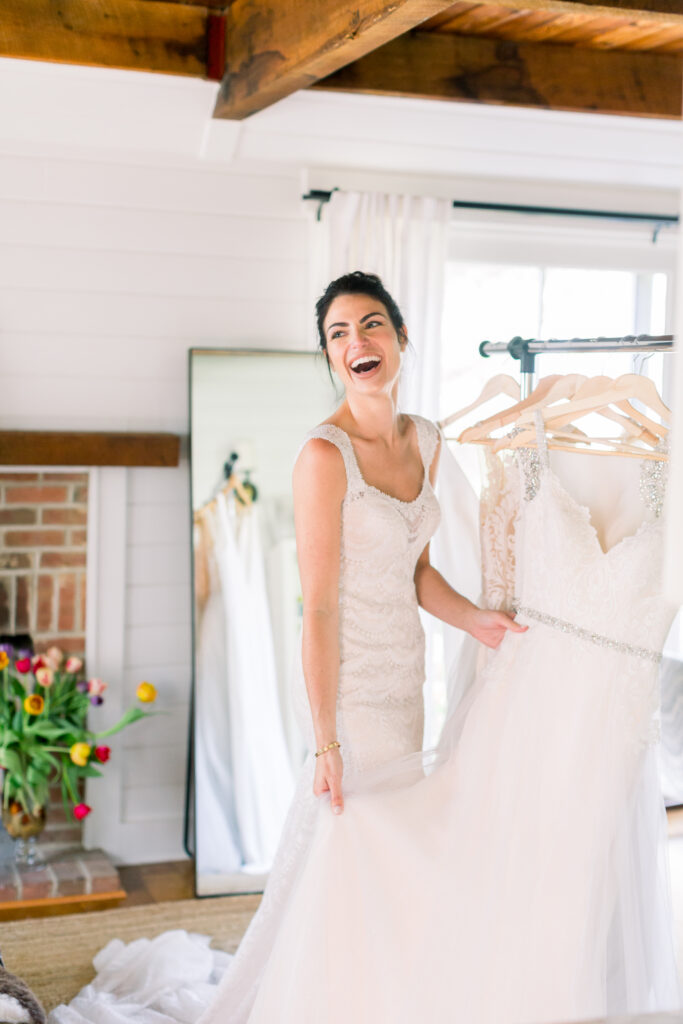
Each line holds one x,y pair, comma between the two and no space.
517,874
170,978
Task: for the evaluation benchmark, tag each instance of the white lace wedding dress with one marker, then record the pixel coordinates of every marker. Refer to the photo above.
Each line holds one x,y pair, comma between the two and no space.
515,875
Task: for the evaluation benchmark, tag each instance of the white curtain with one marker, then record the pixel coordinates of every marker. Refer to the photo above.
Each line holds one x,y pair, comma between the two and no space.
404,240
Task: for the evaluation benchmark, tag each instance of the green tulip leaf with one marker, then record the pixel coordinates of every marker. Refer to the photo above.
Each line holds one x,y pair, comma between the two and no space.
130,716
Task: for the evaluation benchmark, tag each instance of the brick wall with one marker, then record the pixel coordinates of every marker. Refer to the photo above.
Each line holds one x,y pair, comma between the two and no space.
43,539
43,527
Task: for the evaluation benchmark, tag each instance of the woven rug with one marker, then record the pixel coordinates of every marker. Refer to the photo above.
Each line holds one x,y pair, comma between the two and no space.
54,955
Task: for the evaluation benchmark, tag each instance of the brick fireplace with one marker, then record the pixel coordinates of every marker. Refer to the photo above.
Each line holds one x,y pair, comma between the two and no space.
43,554
43,522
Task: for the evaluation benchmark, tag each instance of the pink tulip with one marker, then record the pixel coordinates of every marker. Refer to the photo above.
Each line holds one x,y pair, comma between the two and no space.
54,657
45,676
103,754
96,687
81,811
23,665
73,665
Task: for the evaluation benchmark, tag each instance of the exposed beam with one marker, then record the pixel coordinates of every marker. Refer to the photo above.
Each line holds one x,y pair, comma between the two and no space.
132,34
274,47
476,70
669,11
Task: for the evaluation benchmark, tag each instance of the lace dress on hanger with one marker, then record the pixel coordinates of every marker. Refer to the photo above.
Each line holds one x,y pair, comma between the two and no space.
523,878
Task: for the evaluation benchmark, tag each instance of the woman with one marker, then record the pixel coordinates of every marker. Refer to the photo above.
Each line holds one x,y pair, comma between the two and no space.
365,680
330,942
365,511
520,877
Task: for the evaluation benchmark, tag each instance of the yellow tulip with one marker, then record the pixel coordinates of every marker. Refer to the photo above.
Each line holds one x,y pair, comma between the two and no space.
34,704
4,660
146,693
79,754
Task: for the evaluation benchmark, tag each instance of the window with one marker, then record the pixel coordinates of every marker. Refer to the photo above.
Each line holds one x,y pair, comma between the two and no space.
540,278
496,302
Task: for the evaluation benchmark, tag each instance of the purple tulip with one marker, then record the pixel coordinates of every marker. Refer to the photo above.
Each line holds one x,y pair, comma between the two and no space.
8,649
23,652
97,700
82,686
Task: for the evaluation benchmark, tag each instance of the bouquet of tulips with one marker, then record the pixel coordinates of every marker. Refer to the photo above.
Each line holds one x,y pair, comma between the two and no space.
44,735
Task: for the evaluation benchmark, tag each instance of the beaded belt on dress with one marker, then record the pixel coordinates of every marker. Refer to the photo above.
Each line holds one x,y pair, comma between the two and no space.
586,634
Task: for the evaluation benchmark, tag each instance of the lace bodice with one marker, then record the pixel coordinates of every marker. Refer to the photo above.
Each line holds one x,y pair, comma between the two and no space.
381,671
610,600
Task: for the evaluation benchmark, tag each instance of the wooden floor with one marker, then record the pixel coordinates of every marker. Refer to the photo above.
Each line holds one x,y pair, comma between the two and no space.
157,883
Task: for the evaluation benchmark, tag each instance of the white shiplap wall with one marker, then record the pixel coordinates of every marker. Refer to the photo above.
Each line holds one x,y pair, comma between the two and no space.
109,272
132,227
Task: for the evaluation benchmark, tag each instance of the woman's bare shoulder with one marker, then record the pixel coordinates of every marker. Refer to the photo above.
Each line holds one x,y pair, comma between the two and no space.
321,463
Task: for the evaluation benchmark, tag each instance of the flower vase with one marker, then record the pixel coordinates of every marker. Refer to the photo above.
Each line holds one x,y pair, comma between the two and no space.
24,827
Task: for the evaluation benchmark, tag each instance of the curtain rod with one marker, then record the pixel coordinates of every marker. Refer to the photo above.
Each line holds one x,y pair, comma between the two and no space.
322,196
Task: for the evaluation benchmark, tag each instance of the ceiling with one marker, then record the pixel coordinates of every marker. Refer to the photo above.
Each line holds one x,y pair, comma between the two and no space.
616,57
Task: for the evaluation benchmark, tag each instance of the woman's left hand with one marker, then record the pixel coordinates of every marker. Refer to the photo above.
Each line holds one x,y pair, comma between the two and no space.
489,627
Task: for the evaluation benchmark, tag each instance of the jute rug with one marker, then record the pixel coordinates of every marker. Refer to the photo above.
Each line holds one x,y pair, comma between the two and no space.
54,955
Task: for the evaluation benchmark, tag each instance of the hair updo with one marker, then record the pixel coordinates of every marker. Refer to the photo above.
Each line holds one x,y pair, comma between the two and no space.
355,283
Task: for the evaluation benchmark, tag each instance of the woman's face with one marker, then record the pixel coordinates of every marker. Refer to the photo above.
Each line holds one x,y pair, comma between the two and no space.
363,346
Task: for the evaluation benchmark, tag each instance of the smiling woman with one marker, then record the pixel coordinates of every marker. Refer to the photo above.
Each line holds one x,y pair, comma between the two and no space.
369,290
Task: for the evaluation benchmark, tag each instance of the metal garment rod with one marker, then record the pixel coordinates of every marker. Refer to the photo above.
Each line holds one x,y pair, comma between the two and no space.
322,196
526,349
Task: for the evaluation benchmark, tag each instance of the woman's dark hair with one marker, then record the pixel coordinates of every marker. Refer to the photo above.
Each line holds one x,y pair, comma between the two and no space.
356,283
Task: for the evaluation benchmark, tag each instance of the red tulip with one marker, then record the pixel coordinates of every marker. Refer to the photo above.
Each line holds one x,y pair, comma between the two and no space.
23,665
38,661
103,754
81,811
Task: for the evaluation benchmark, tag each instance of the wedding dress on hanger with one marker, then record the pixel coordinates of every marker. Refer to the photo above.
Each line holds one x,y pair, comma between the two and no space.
218,850
515,874
243,789
522,879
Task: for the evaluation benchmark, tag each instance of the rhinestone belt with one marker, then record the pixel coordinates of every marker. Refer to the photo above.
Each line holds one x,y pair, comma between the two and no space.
587,634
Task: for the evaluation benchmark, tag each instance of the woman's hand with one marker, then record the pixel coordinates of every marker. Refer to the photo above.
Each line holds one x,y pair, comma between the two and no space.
329,768
489,627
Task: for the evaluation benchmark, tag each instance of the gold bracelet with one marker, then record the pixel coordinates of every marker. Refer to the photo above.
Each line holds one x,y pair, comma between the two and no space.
335,744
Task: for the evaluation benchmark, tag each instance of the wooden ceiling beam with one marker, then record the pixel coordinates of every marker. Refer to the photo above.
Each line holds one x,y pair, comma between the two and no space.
132,34
668,11
427,65
274,47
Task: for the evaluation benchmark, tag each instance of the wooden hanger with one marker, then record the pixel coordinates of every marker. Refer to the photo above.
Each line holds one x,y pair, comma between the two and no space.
575,441
628,386
596,395
562,400
232,484
635,424
501,384
548,390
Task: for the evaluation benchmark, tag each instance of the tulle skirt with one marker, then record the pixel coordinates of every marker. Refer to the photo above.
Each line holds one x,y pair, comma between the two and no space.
516,875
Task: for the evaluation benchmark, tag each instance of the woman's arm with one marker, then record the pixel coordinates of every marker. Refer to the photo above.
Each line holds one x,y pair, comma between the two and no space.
436,596
319,485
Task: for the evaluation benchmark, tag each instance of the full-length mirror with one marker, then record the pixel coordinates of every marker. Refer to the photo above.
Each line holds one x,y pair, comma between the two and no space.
249,413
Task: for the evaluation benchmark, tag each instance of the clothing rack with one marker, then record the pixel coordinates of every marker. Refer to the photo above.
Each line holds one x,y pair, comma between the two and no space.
526,349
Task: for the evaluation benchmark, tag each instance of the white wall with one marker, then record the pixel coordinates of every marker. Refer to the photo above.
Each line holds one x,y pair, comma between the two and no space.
132,228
